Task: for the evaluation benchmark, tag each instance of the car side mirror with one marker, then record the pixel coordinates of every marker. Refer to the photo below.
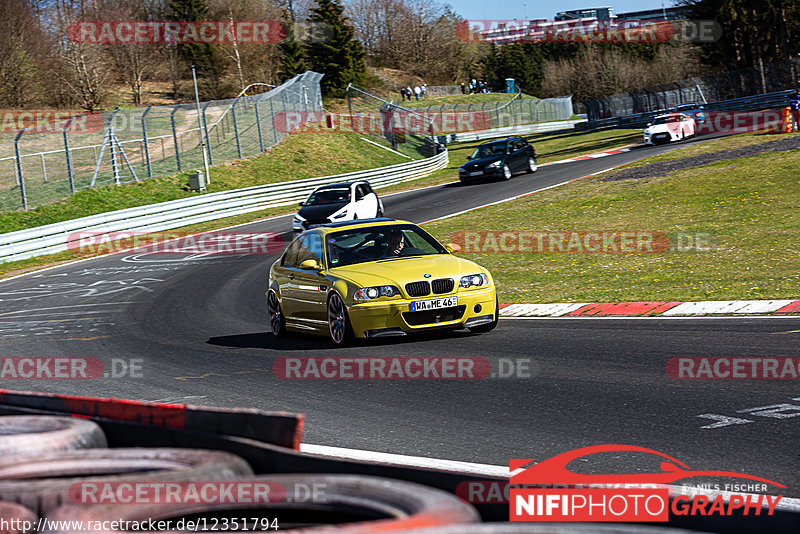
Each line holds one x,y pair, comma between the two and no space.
469,157
452,248
310,265
302,204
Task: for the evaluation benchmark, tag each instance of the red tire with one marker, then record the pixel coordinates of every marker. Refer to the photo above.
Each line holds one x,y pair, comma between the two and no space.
36,434
43,482
357,504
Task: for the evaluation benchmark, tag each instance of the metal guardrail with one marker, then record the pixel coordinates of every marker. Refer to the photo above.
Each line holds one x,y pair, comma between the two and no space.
57,237
511,130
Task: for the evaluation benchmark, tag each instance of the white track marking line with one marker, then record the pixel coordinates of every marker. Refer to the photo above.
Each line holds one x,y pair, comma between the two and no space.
385,147
402,459
66,306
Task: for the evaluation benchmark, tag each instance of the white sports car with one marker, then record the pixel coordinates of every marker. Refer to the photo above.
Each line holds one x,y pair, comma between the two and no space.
345,201
672,127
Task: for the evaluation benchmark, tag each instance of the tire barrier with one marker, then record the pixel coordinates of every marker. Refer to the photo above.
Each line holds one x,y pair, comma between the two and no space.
43,482
36,434
345,504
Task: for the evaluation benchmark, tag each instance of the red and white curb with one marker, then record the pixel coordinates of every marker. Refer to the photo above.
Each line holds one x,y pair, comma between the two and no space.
664,309
588,156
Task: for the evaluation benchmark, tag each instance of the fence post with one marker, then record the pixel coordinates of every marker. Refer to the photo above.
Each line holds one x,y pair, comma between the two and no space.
20,178
285,110
146,144
258,126
70,172
175,137
205,130
272,114
350,109
113,138
236,128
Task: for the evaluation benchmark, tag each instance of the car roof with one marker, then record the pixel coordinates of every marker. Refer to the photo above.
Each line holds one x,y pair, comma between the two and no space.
359,223
340,185
498,141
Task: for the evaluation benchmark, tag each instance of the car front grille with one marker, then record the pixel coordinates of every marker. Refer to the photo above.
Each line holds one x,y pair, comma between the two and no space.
443,285
441,315
418,289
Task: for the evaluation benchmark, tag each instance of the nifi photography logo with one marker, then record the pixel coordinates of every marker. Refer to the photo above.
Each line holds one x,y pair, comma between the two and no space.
622,497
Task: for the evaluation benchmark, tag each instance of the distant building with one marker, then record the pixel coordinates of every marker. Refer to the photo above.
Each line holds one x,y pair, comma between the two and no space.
599,13
668,13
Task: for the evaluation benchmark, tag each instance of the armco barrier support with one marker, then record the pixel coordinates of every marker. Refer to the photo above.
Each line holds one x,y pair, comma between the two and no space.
53,238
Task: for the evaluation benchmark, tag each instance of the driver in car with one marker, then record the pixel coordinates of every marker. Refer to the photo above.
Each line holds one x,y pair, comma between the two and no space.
396,243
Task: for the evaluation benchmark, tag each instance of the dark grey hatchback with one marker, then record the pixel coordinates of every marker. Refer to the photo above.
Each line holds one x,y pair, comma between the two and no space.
499,159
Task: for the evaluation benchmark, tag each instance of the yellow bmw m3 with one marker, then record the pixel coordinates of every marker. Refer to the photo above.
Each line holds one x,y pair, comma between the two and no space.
376,278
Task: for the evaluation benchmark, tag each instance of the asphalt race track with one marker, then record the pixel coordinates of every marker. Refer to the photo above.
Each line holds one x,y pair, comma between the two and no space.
194,330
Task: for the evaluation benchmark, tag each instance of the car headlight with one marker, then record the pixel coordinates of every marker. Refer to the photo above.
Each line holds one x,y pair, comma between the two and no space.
343,213
298,218
474,280
495,164
370,293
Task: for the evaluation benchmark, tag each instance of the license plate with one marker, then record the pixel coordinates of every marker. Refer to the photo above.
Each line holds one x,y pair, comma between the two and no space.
434,304
476,173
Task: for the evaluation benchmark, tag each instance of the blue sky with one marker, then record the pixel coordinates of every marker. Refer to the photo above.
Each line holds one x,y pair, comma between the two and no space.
536,9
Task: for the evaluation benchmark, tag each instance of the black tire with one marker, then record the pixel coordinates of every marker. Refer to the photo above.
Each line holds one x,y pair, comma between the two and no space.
37,434
44,482
532,166
366,503
488,327
17,518
506,172
340,332
277,321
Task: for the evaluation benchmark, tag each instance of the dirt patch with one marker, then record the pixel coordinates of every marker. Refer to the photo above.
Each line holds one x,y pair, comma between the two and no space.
660,168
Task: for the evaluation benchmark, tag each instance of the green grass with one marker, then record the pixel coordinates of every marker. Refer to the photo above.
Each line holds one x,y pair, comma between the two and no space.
750,206
280,162
477,98
302,155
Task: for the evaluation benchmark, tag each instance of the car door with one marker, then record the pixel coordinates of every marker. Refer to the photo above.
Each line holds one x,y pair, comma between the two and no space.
518,156
284,275
311,287
369,202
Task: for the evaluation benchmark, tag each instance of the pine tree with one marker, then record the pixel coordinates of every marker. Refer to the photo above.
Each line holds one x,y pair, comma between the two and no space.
292,53
203,55
334,51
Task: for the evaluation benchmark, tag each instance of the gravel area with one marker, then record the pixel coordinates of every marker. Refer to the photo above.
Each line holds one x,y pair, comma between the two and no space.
661,168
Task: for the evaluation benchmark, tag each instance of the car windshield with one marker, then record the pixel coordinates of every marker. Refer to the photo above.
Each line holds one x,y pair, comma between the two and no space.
492,149
687,107
377,243
660,120
329,196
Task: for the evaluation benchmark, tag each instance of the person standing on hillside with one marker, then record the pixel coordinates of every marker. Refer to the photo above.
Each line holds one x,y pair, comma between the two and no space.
417,90
794,107
402,94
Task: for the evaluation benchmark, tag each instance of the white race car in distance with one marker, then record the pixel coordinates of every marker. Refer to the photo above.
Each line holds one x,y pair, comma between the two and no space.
346,201
671,127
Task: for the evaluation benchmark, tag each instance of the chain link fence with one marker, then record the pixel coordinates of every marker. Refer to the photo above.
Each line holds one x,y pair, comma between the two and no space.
731,85
412,129
40,166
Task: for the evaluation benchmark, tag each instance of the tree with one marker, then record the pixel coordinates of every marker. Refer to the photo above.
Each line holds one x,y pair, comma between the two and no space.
292,53
204,56
333,51
523,62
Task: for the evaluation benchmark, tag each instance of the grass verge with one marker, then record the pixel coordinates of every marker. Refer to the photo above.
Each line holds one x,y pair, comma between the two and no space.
550,147
750,206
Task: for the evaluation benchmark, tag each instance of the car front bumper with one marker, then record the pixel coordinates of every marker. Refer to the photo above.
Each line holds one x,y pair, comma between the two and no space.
395,318
493,172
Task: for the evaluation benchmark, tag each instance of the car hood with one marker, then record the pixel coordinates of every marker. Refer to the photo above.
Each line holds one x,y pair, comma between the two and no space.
401,271
657,128
480,163
320,212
